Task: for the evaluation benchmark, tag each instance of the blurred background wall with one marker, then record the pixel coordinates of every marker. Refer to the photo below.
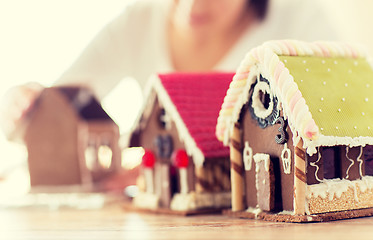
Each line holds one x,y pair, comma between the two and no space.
39,39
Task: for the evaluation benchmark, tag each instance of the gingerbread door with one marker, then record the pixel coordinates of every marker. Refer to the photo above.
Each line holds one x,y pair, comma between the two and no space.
265,182
163,184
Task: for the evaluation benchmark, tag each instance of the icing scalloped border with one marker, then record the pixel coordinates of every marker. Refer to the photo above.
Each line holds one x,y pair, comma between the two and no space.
265,60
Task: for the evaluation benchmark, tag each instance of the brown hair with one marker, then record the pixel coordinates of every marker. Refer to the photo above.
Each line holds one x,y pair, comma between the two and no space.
260,7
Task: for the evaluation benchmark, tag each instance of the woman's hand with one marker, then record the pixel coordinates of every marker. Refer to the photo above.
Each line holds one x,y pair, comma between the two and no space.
15,105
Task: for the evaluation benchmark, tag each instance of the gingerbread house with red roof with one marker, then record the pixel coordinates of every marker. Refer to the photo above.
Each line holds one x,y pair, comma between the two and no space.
299,121
185,168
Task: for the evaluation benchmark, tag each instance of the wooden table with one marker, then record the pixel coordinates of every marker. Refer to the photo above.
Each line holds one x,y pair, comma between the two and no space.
112,222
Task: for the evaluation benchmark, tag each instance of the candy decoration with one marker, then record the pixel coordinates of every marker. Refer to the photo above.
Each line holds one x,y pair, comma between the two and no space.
181,160
148,161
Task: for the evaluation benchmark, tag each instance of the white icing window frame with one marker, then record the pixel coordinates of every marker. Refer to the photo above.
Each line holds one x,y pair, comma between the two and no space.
257,104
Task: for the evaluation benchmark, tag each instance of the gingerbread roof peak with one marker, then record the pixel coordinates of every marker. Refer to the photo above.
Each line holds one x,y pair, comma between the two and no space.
302,76
193,102
83,102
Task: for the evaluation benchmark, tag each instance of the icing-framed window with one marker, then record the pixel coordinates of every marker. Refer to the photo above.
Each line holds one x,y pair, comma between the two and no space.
331,162
90,154
105,154
262,103
368,159
262,100
164,145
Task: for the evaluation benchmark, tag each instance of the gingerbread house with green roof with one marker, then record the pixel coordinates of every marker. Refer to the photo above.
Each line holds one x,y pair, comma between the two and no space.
298,118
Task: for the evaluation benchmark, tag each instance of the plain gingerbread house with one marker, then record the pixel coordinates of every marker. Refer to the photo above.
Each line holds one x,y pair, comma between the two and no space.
71,140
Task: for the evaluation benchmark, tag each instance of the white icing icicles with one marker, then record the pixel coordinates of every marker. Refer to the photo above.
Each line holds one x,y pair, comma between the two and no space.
262,157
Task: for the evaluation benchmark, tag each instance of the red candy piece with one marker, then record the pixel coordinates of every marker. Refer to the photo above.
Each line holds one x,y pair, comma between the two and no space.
148,159
180,158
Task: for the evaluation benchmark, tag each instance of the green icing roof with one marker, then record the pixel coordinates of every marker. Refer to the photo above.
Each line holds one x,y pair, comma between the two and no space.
338,91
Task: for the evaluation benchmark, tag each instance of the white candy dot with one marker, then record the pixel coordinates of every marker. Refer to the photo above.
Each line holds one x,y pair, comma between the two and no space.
320,110
307,70
335,62
324,83
336,127
343,99
323,61
321,129
285,61
355,127
366,99
322,99
349,71
363,113
339,110
304,61
355,63
329,70
301,80
346,85
368,85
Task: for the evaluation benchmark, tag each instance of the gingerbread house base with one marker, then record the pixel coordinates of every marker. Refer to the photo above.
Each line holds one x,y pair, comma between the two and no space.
167,211
183,204
288,217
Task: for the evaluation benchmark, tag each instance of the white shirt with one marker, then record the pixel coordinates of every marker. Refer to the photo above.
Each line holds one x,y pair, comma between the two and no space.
134,44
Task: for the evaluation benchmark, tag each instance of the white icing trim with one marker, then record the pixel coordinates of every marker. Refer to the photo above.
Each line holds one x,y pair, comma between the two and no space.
334,188
259,157
184,135
314,164
247,156
333,141
358,159
193,201
286,161
242,99
256,211
146,200
352,162
265,60
360,162
257,104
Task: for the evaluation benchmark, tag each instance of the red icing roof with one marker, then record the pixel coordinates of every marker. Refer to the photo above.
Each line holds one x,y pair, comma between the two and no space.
198,99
